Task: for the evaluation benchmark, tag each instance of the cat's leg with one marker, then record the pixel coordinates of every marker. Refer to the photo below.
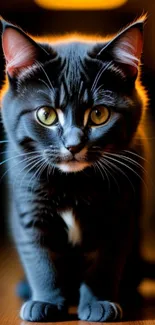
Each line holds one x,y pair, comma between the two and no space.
99,292
48,301
98,298
43,247
45,271
94,309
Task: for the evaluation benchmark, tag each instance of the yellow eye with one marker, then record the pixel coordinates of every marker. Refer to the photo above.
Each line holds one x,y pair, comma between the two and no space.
46,115
99,115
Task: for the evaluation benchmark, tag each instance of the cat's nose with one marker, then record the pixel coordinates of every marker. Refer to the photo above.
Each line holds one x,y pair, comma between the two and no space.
74,140
74,149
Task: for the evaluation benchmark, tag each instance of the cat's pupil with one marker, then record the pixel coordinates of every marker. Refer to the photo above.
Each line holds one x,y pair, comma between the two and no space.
46,115
98,113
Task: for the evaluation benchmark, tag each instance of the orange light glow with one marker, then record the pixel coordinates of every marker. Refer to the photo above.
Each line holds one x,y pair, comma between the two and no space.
80,4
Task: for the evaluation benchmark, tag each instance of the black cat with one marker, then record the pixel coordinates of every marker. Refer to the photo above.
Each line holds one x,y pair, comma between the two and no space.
72,113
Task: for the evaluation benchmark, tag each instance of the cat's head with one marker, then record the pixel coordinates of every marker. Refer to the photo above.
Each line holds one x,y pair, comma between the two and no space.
72,100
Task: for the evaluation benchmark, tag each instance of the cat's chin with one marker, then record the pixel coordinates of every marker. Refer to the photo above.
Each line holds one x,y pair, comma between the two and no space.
72,166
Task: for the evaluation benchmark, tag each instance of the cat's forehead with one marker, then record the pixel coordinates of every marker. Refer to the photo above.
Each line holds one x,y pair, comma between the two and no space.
73,48
74,55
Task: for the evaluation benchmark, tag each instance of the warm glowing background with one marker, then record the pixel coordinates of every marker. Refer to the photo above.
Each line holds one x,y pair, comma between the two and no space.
80,4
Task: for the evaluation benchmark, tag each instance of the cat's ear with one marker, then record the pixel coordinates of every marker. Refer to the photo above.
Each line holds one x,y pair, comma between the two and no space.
19,49
126,48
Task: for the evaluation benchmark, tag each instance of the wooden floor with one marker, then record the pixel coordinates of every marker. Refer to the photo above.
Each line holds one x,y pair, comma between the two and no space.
11,272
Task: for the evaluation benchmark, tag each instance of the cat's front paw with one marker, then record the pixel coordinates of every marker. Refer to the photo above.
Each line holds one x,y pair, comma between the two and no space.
100,311
37,311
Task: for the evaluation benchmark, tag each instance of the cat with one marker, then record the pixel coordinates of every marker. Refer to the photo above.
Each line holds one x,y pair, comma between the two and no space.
73,110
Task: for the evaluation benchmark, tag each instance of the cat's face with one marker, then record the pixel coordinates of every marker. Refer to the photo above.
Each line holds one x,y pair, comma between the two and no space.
72,101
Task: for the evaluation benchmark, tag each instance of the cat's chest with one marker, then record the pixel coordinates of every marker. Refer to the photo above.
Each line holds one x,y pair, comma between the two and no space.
73,226
76,193
78,211
81,214
73,209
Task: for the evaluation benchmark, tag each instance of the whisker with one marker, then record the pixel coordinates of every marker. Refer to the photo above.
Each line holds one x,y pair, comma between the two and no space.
120,171
45,83
132,161
107,167
6,151
97,90
135,154
35,173
13,150
48,79
31,161
32,165
98,76
48,171
39,171
4,141
125,165
17,156
52,169
15,165
102,168
97,167
44,165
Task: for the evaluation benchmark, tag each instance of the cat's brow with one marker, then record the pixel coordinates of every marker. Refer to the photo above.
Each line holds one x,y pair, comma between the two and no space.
104,96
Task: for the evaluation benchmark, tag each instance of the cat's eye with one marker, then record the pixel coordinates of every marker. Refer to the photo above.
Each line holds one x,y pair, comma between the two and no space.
99,115
46,115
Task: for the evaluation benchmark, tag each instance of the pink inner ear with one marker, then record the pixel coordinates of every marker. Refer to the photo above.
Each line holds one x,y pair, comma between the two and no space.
128,49
19,52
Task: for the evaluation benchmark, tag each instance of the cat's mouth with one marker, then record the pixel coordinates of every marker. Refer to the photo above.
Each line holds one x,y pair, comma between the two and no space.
72,165
67,162
76,163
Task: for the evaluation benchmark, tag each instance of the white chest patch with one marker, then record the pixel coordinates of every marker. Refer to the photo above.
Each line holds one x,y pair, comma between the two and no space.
73,227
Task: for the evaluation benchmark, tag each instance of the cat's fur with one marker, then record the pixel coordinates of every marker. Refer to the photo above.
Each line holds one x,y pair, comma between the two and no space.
75,223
